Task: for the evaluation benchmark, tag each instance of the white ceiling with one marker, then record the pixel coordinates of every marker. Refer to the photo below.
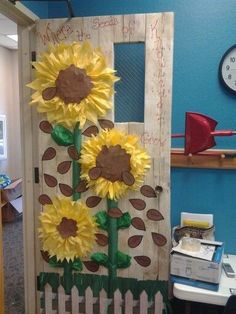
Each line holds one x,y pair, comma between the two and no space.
7,27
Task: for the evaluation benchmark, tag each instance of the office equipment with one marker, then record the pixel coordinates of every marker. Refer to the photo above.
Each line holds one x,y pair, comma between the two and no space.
226,287
228,270
203,265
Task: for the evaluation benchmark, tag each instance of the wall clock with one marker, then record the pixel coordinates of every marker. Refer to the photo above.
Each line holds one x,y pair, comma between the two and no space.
227,70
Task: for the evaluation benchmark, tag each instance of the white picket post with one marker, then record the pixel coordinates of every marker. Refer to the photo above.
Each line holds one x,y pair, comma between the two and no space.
48,299
88,301
129,302
103,302
117,302
143,305
74,300
158,306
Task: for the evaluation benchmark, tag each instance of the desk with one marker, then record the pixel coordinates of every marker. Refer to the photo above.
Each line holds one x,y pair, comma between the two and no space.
219,297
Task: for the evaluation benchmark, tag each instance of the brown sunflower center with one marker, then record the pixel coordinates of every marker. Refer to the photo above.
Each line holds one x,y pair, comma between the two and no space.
113,164
73,84
67,228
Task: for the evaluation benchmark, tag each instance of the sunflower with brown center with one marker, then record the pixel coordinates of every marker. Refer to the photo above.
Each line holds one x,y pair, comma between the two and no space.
113,162
67,229
73,84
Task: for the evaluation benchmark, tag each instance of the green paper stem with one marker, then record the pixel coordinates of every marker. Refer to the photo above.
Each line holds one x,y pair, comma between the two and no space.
75,164
112,246
67,277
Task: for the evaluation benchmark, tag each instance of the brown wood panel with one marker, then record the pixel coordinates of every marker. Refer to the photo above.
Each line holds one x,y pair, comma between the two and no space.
212,159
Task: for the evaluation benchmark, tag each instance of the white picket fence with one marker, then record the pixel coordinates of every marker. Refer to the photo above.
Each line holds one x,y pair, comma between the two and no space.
60,303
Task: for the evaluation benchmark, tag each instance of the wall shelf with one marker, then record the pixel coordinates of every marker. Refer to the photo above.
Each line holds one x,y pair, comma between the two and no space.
215,159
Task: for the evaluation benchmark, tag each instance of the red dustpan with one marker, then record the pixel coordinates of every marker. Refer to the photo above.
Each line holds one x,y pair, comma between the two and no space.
200,132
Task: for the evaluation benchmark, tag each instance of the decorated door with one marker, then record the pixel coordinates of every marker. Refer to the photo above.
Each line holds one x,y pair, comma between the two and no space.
102,196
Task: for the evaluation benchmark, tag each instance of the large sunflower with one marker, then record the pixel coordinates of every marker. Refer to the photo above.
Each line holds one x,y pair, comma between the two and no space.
113,162
73,84
67,229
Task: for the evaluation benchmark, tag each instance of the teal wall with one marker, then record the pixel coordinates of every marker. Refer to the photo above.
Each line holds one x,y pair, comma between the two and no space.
204,30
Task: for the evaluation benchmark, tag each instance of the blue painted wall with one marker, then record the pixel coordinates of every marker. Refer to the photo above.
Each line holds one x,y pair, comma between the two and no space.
204,30
40,8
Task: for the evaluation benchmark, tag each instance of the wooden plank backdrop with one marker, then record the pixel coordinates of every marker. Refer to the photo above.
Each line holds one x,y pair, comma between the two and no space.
156,31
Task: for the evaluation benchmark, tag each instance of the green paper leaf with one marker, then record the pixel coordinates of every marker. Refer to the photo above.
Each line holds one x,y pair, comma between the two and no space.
54,262
102,220
124,221
62,136
123,260
100,258
77,265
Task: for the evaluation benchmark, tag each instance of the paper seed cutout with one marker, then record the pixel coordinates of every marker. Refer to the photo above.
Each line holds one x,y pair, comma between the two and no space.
106,124
45,255
64,167
138,223
134,241
148,191
91,266
142,260
93,201
73,153
115,213
50,180
154,214
81,187
45,126
65,189
95,173
128,178
49,153
101,239
92,130
49,93
44,199
137,203
158,239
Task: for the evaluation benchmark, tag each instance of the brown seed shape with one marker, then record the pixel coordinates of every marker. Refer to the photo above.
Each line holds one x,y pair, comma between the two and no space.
49,153
73,153
138,223
142,260
148,191
81,187
45,255
44,199
101,239
50,180
94,173
137,203
158,239
65,189
134,241
91,130
64,167
45,126
115,213
128,178
154,214
49,93
106,124
91,266
93,201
